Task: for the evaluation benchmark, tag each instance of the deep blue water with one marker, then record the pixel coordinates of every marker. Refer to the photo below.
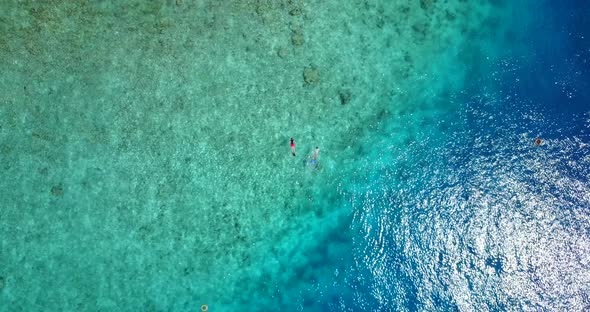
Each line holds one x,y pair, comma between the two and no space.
471,215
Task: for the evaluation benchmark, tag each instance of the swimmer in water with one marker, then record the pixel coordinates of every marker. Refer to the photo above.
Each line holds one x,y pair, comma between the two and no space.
314,158
538,141
315,153
292,147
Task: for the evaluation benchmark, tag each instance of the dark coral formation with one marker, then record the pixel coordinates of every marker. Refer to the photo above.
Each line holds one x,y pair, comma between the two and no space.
283,52
295,12
345,96
57,190
297,38
311,75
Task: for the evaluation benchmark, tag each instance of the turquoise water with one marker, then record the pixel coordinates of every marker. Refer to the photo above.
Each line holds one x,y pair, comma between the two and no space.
145,161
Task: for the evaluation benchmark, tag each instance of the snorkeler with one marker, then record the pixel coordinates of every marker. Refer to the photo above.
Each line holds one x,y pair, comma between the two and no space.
315,153
292,147
314,158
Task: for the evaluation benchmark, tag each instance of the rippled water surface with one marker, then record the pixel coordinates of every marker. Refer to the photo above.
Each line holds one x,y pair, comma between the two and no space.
470,215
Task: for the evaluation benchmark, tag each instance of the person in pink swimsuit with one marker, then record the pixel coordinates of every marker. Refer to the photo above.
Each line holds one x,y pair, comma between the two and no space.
292,147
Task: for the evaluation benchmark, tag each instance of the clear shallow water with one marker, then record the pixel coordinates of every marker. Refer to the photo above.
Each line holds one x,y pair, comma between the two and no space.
146,165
